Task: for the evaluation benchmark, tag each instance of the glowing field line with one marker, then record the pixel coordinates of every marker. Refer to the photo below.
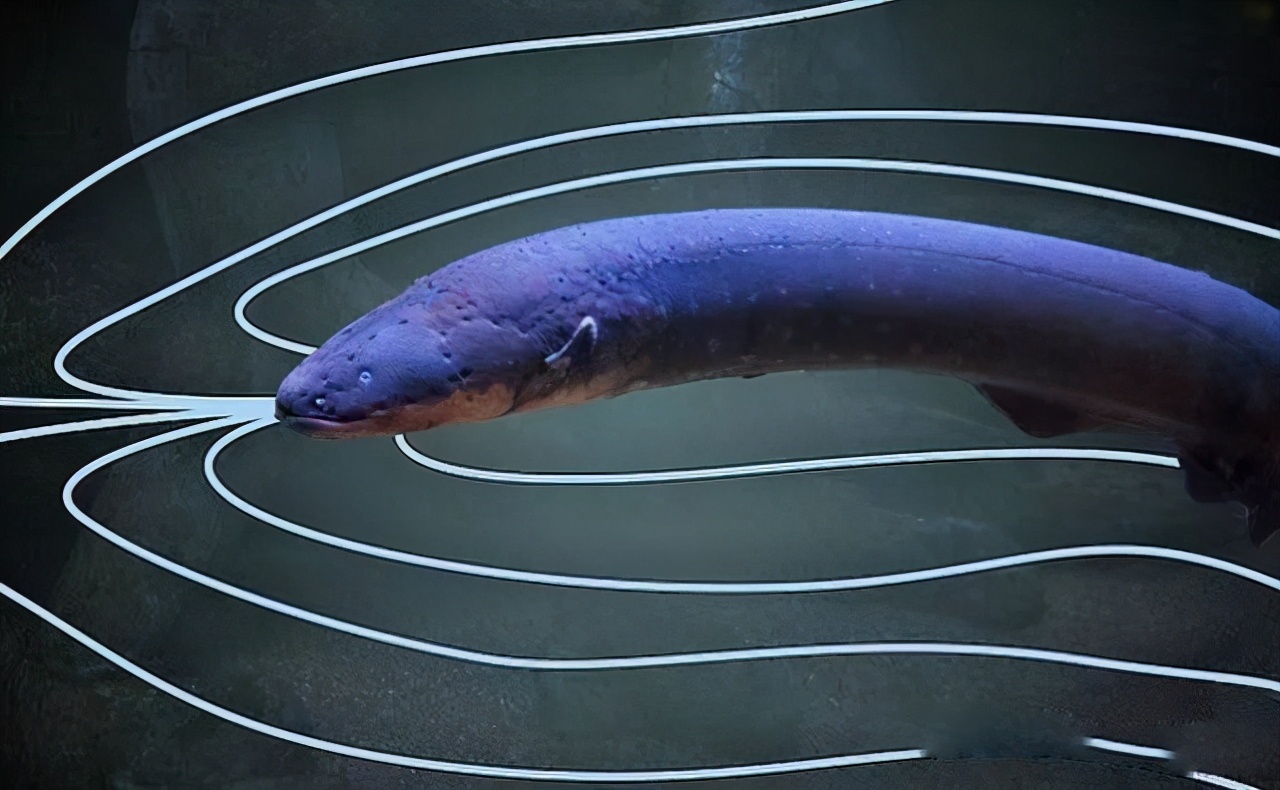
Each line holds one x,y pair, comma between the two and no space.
563,42
716,588
196,402
445,766
548,774
92,425
250,408
701,121
714,166
783,467
1220,781
624,662
70,403
470,769
1129,748
467,53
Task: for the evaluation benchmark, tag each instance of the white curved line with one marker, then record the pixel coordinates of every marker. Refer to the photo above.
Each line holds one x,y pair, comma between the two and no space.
200,403
70,403
1164,754
564,42
622,128
1129,748
505,772
782,467
633,127
625,662
717,588
446,766
713,166
1220,781
467,53
94,425
965,116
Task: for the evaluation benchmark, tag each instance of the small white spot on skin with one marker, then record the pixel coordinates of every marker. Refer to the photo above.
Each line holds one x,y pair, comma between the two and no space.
713,345
366,376
319,401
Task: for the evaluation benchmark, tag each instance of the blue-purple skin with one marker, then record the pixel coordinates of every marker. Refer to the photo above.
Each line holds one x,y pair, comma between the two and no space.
1061,336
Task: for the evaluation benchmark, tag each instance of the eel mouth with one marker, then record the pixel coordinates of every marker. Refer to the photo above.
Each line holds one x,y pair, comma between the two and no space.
326,428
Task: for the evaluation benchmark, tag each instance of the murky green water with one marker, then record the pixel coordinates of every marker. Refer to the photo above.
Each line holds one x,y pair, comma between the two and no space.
342,596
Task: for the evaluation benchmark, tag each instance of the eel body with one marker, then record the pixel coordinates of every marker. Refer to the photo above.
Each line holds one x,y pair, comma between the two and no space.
1062,337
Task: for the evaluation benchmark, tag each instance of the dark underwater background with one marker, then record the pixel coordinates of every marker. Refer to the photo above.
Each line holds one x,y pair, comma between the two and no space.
82,83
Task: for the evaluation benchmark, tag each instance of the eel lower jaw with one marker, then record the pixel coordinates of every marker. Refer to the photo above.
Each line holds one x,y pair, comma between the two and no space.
317,428
379,423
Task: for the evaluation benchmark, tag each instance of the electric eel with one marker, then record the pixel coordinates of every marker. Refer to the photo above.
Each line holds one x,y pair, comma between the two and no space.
1062,337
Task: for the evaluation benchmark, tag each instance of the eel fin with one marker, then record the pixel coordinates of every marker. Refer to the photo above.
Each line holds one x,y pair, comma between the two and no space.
1202,481
1036,415
1260,495
1213,477
578,347
1263,520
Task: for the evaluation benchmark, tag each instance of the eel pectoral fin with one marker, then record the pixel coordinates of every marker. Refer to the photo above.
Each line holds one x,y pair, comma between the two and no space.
1038,416
578,347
